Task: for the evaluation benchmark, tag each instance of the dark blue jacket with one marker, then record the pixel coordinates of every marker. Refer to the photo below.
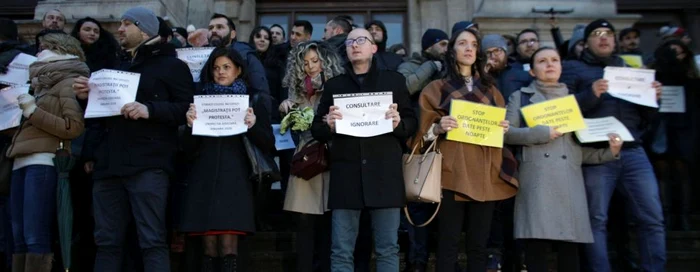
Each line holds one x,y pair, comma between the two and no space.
510,80
257,77
579,75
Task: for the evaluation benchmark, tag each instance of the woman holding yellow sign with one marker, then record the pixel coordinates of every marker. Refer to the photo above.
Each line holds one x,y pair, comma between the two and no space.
550,208
473,176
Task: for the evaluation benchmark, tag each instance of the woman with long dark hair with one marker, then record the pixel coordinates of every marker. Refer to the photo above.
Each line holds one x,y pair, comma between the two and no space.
218,202
673,146
273,59
99,45
473,176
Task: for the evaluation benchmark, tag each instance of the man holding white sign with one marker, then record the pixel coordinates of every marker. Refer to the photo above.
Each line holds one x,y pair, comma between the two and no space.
134,154
366,170
632,175
111,90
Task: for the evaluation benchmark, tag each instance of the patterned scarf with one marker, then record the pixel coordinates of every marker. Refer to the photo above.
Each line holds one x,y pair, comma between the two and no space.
311,85
238,87
456,89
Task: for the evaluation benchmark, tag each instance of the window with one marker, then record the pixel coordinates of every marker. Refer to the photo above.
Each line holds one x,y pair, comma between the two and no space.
317,21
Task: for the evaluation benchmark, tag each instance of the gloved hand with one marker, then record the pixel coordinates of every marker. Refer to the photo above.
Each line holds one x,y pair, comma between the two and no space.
27,103
438,64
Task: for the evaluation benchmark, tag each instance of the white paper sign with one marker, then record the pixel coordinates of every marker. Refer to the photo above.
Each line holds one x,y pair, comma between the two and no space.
195,57
633,85
220,115
672,99
18,70
110,90
598,129
526,67
282,141
10,113
364,114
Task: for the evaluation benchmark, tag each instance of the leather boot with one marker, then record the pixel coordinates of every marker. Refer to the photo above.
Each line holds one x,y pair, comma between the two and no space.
18,261
39,262
229,264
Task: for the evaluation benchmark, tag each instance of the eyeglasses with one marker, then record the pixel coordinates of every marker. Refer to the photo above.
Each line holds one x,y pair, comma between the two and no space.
360,41
529,42
495,52
603,33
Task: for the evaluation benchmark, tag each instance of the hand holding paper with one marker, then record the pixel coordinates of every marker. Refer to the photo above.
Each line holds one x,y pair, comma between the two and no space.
615,143
658,87
27,103
80,87
249,118
393,114
600,87
334,114
191,115
447,123
505,124
135,111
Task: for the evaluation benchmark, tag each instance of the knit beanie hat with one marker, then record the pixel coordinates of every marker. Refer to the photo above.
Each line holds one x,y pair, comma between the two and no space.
670,31
144,19
431,37
493,41
595,25
463,25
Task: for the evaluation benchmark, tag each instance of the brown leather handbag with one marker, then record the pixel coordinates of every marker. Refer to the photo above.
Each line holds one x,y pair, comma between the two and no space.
310,161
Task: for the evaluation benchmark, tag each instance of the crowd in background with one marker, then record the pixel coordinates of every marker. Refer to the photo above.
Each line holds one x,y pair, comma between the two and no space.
143,181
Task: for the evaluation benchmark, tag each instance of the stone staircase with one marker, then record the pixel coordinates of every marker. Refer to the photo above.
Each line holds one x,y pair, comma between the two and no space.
274,251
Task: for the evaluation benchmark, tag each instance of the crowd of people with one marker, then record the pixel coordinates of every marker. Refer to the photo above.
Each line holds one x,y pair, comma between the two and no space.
142,180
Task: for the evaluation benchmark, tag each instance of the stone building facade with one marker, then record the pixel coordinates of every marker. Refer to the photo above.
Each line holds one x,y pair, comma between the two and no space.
406,19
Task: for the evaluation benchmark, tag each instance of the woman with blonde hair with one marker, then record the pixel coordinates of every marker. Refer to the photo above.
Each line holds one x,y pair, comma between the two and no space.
310,64
51,118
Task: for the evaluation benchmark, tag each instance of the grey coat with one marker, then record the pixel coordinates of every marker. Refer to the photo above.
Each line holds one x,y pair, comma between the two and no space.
551,203
418,71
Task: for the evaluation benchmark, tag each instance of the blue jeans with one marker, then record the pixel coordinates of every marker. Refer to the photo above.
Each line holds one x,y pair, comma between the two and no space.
385,227
418,237
634,178
115,201
33,208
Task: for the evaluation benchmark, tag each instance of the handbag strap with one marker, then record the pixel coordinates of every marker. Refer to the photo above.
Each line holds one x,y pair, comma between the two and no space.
432,147
408,216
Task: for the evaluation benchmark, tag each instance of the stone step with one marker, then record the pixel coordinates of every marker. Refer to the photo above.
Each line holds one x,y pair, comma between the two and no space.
284,261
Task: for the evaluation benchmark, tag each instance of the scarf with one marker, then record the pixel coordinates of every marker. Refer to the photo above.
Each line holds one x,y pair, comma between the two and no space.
50,56
457,89
588,57
238,87
551,91
311,85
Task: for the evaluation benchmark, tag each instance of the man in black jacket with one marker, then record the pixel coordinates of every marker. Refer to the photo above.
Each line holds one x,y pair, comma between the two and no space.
10,46
385,60
134,156
367,171
335,34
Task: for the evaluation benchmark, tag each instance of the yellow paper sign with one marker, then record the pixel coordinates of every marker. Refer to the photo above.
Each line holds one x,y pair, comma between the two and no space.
562,113
478,123
634,61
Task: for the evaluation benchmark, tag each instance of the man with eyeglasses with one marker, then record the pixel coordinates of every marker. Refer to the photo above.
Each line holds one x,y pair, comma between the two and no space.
367,171
528,41
508,79
632,175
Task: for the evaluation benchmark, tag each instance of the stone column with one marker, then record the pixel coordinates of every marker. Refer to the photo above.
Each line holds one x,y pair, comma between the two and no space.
242,12
439,14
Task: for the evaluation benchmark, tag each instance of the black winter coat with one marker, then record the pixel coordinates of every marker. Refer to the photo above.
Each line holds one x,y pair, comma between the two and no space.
123,147
366,172
219,195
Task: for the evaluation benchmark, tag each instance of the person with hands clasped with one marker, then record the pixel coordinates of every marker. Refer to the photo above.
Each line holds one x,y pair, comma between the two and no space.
218,202
132,157
632,175
550,207
51,118
366,172
473,176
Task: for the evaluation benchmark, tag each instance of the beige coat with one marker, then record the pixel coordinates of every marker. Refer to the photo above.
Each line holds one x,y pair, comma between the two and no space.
58,116
307,196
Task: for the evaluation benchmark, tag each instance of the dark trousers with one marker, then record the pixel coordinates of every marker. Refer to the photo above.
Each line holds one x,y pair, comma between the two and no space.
417,252
501,239
452,214
313,242
536,251
145,196
33,205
